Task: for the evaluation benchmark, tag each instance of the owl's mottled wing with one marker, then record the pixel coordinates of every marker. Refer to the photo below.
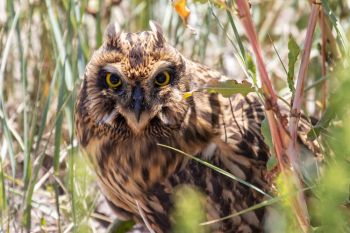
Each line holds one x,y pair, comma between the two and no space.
239,149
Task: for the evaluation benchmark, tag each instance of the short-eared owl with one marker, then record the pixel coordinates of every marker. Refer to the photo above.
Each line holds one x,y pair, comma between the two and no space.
132,99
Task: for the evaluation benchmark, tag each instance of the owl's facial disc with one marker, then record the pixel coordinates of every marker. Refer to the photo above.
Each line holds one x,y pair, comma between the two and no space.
136,78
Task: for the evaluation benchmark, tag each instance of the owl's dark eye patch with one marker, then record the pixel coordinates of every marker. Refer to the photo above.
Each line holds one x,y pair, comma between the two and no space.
164,77
113,81
109,80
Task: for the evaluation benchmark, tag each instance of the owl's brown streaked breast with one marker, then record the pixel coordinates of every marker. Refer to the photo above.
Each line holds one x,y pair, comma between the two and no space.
129,169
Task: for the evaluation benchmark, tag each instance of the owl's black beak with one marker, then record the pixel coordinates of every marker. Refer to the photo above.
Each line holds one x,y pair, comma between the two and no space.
137,99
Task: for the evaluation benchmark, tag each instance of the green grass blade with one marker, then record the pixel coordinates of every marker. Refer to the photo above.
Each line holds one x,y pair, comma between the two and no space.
4,57
47,107
60,44
41,156
241,61
254,207
3,198
235,31
293,53
335,22
217,169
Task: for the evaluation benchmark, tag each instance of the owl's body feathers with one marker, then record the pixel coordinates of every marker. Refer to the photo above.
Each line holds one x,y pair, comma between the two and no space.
120,129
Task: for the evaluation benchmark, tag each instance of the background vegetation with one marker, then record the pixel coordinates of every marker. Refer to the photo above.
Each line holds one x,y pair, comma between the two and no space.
45,183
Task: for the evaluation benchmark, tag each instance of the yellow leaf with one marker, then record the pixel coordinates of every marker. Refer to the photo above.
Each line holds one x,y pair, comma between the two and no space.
187,95
182,9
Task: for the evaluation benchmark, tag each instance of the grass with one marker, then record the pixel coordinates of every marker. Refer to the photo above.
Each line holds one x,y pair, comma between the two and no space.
45,183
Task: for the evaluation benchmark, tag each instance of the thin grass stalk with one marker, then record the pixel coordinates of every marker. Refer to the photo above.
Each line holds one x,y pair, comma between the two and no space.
217,169
57,143
278,55
27,165
60,44
204,43
5,125
72,180
72,59
239,58
235,31
278,133
262,204
3,196
98,24
38,164
27,170
323,54
338,28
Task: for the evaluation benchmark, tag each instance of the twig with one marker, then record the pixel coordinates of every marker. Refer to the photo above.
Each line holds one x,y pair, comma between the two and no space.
144,217
48,173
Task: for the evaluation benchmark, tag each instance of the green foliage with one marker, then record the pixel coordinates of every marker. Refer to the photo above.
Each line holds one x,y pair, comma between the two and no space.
331,208
287,189
251,68
189,210
121,226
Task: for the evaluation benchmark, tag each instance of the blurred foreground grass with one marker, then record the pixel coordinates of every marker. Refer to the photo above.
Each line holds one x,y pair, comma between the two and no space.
46,185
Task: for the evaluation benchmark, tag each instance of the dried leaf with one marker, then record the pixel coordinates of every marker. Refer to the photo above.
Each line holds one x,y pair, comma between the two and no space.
182,9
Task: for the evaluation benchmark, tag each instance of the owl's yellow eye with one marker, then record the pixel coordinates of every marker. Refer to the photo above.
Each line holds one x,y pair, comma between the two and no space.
113,80
162,79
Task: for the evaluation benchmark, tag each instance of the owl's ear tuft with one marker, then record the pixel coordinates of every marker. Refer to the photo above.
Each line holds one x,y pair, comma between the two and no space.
111,36
158,31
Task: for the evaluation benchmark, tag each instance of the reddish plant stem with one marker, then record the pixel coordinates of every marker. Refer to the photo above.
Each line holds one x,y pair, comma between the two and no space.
286,158
247,22
279,135
296,106
298,97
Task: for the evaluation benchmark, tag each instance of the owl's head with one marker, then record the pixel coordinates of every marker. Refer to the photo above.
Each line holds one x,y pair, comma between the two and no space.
135,79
